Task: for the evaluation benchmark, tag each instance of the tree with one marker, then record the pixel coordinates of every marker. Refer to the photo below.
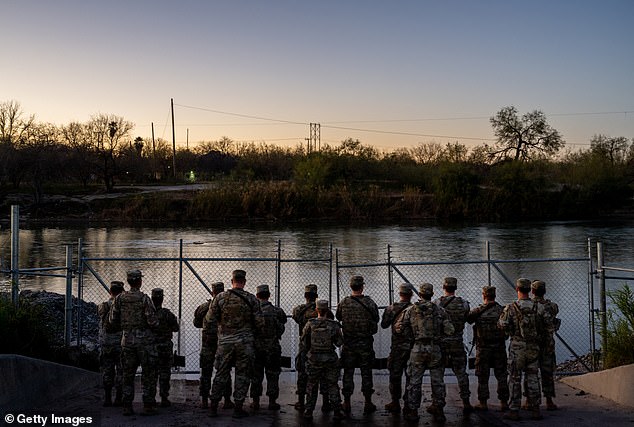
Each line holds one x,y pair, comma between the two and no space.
523,138
613,148
106,132
12,123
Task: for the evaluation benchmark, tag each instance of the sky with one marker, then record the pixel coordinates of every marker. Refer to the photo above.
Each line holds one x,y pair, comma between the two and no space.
391,74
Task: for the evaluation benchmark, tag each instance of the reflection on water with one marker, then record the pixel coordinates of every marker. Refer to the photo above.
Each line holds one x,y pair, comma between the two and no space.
44,247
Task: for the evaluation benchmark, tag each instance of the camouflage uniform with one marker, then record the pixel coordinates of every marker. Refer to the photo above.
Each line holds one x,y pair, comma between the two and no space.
270,323
301,315
523,321
168,324
359,316
547,360
109,351
320,337
427,323
490,349
452,347
234,310
401,343
134,312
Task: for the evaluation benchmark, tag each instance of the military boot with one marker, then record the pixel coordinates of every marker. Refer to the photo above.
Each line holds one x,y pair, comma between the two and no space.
439,416
550,405
165,402
149,409
410,414
525,405
536,414
299,405
204,403
127,409
512,415
238,412
107,399
307,414
255,405
338,414
393,407
482,406
504,406
346,405
325,403
273,405
466,406
117,397
368,407
213,408
228,403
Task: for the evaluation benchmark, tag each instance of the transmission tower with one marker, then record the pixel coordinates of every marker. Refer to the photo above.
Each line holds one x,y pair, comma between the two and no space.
314,142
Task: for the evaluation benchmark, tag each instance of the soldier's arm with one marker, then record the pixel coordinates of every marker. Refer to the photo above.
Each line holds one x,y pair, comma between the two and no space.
305,339
387,318
375,311
150,313
213,314
504,322
338,336
403,325
114,318
338,314
174,322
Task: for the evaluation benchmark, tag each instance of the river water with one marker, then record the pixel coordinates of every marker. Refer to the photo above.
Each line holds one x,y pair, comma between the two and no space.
45,247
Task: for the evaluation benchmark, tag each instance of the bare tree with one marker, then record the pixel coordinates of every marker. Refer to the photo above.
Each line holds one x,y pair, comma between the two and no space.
425,153
613,148
13,124
107,133
523,138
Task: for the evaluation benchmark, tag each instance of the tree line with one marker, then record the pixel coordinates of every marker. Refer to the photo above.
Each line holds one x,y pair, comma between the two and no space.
526,173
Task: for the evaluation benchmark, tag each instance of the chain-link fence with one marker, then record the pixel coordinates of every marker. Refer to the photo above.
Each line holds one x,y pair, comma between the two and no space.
186,282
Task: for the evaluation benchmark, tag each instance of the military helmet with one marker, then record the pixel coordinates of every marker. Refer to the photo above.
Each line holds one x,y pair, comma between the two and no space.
427,289
523,284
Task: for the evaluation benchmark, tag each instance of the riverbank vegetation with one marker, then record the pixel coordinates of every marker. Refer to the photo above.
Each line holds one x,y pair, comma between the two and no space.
620,330
527,174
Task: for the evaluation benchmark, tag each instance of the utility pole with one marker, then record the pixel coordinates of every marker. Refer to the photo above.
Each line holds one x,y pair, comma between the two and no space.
187,143
173,139
153,153
314,142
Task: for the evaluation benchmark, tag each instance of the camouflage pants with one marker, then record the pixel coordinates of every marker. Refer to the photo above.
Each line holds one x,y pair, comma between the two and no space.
302,375
456,358
267,359
488,357
207,362
547,367
110,364
397,364
357,354
523,358
326,374
131,358
242,354
423,357
164,366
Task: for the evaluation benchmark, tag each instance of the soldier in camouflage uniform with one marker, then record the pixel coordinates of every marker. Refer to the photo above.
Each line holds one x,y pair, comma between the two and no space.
301,315
400,345
523,320
208,346
110,349
427,323
234,310
453,351
269,324
168,324
134,313
547,361
359,316
320,337
490,349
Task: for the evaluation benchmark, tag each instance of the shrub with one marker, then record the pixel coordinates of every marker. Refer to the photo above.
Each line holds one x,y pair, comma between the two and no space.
620,330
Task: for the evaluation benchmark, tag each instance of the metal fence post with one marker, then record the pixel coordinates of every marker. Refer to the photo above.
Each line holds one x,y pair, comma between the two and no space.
330,277
80,290
278,272
591,309
68,318
15,255
337,273
180,293
487,248
390,284
603,313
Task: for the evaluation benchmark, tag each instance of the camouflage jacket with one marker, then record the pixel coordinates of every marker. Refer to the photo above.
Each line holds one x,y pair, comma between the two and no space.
391,316
168,324
359,317
269,325
134,312
320,337
234,311
457,309
426,322
209,325
304,312
485,325
524,321
106,335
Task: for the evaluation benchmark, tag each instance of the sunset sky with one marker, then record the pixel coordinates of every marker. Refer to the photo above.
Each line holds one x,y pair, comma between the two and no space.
389,73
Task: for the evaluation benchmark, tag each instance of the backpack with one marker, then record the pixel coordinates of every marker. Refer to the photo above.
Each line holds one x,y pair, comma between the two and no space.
320,336
455,308
424,325
527,320
200,313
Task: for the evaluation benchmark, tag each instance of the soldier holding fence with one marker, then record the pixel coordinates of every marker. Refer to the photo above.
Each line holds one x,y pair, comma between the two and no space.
110,349
401,343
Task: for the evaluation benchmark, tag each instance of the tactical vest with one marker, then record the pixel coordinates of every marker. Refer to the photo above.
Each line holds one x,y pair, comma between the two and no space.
266,322
309,312
454,306
423,321
526,322
357,320
487,326
132,310
320,336
236,314
164,331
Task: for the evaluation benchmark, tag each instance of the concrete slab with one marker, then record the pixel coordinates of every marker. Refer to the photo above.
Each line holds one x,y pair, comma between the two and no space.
616,384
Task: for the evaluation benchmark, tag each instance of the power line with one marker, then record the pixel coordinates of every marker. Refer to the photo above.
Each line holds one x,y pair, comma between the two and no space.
408,133
242,115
